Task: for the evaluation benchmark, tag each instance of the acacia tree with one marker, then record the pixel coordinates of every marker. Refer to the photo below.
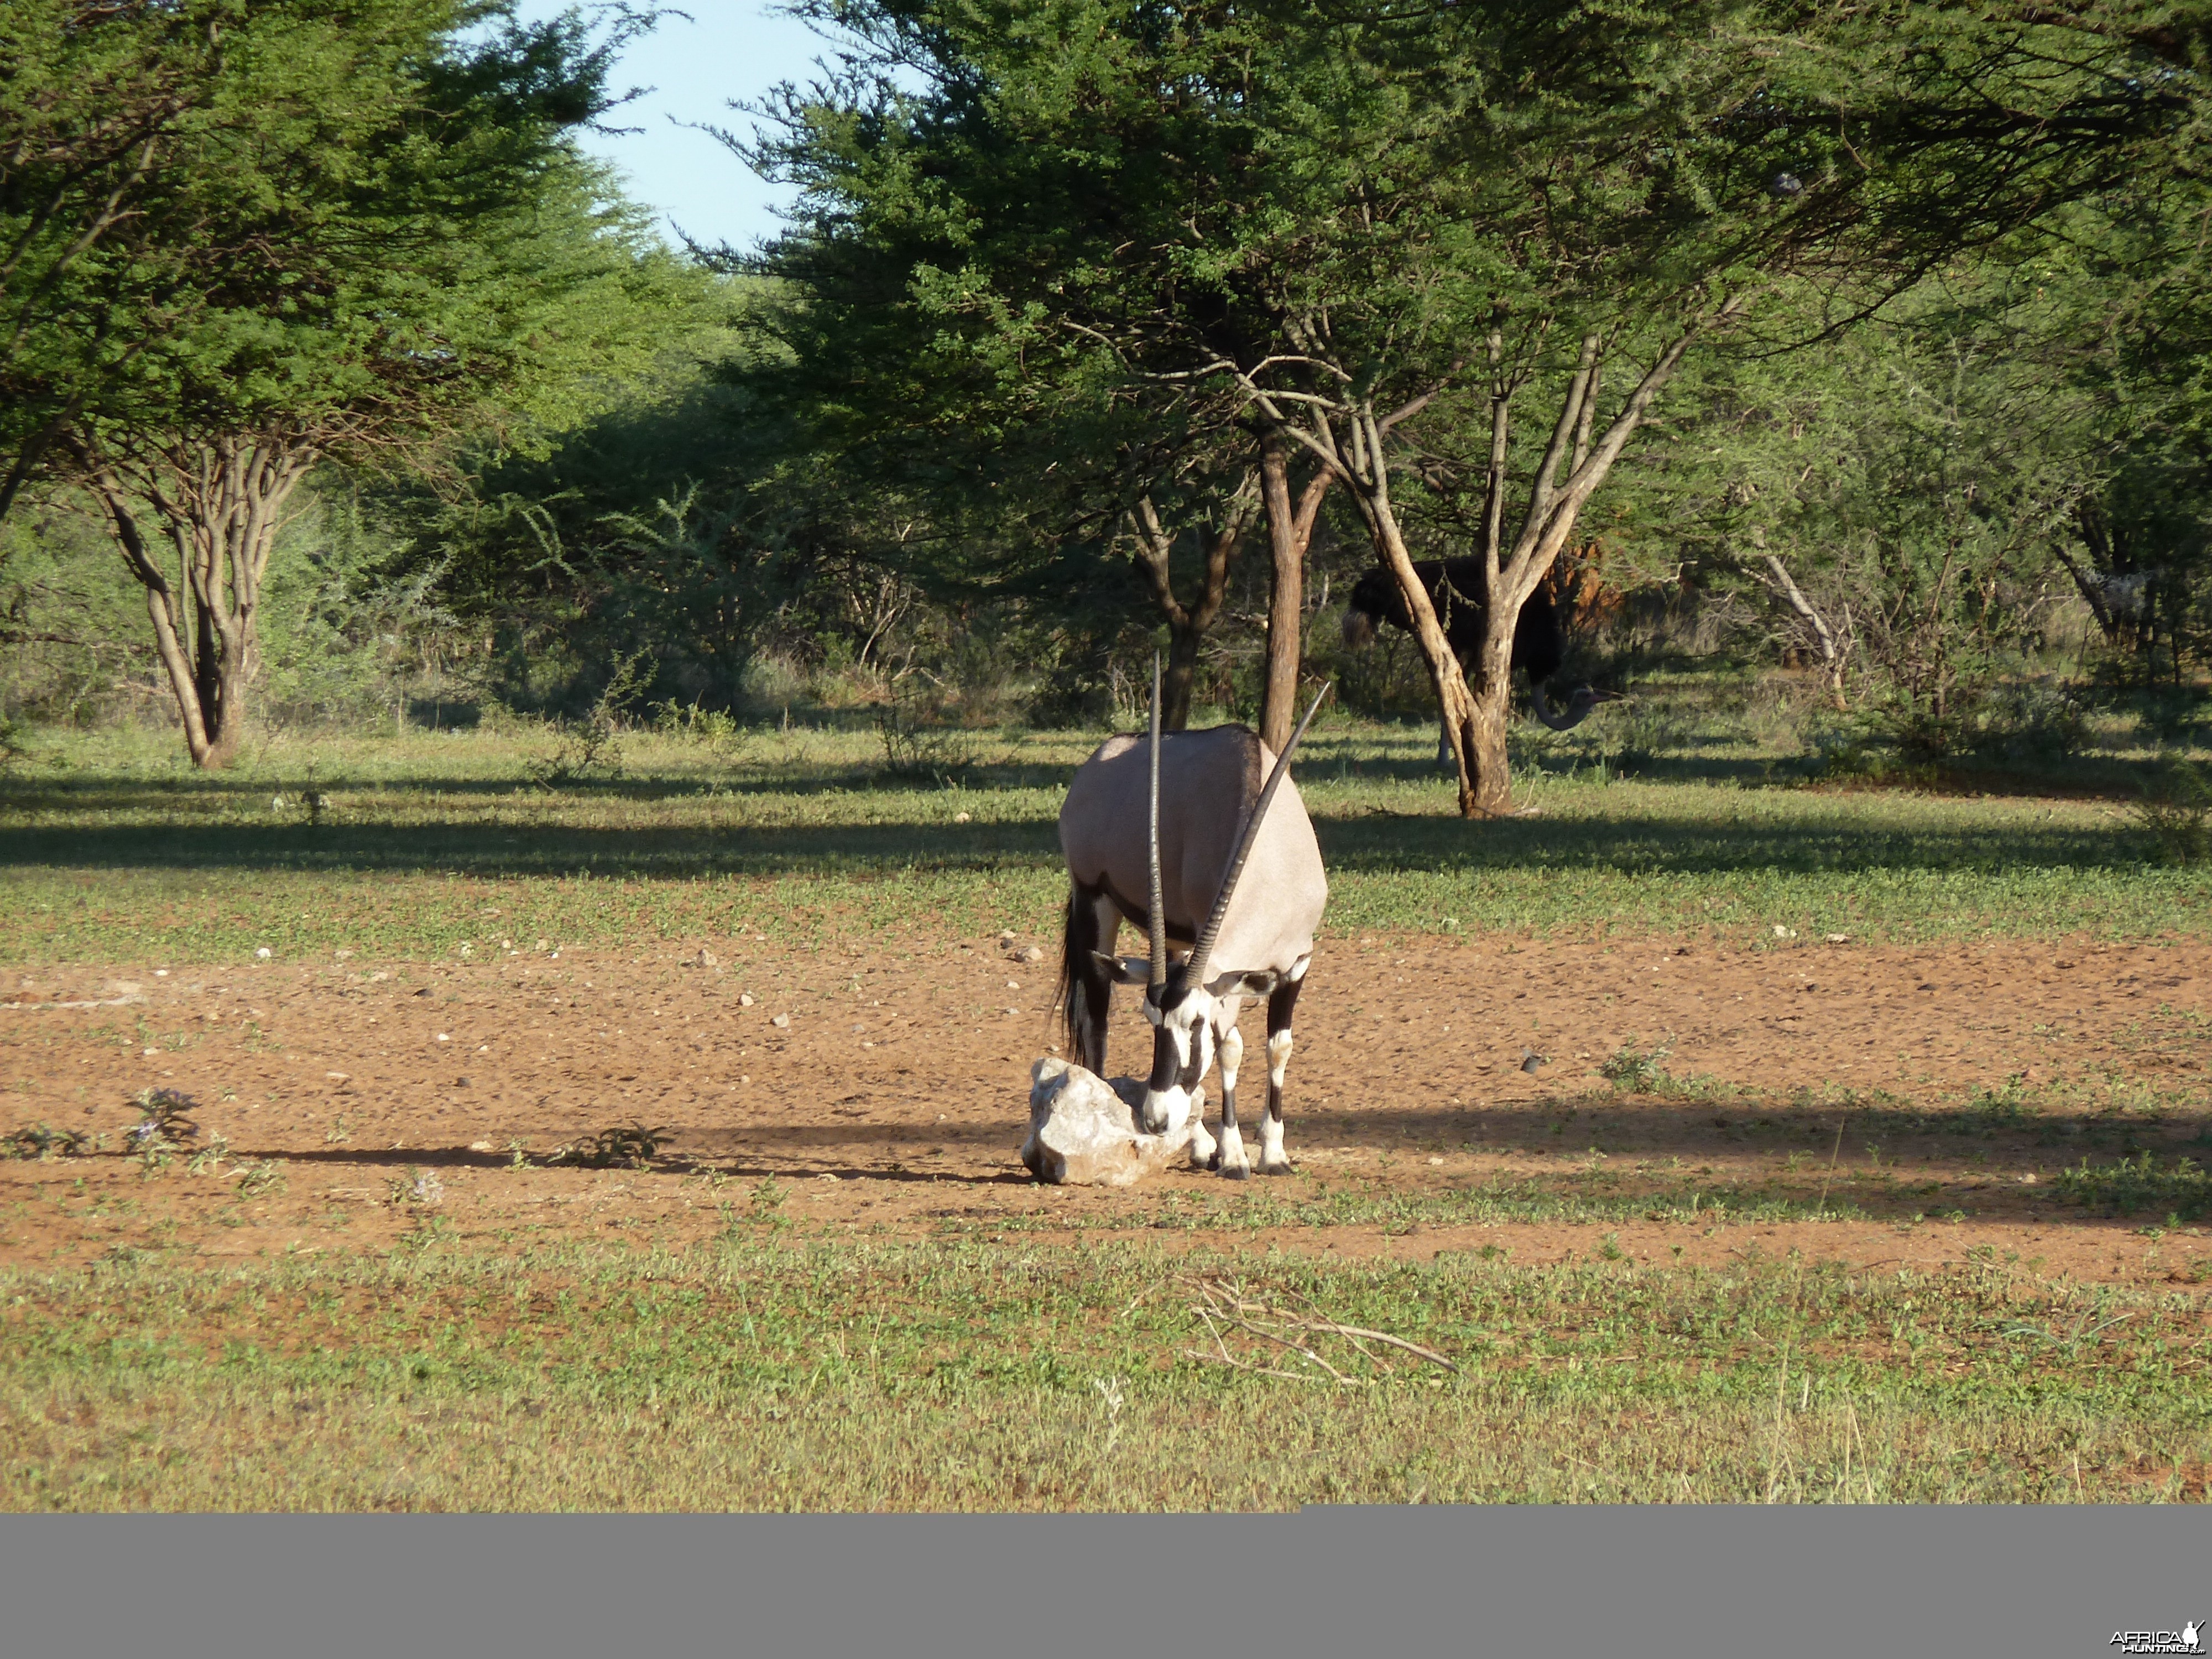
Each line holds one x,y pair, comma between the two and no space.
428,258
1449,258
1518,222
1019,225
96,96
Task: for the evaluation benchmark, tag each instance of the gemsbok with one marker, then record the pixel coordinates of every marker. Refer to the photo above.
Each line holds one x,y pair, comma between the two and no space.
1230,869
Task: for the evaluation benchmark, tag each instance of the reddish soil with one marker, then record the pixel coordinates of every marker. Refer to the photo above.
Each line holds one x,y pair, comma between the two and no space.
894,1097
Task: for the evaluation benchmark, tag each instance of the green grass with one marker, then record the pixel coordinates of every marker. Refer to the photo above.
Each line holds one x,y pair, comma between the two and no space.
1020,1364
110,848
2178,1191
769,1372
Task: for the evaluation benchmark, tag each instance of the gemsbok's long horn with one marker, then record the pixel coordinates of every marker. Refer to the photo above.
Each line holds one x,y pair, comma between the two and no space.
1195,973
1155,913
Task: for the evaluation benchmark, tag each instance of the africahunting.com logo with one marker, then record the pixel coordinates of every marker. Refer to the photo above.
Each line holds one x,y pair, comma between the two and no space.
2189,1638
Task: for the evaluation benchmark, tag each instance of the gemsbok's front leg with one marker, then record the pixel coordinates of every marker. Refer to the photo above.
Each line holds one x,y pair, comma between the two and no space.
1280,1002
1235,1166
1205,1151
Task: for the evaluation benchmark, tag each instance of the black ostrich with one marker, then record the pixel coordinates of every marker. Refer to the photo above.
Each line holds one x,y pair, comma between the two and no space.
1454,588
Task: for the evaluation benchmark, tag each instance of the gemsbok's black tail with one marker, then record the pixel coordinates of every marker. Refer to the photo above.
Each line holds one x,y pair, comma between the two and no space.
1075,948
1087,985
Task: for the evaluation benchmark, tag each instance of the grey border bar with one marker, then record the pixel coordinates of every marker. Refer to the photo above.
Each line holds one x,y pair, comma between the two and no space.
1554,1581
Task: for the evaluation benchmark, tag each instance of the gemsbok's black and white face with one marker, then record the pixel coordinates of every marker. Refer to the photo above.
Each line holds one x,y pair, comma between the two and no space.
1184,1021
1192,1026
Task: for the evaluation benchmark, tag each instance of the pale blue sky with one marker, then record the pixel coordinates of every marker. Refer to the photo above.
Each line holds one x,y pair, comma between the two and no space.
731,48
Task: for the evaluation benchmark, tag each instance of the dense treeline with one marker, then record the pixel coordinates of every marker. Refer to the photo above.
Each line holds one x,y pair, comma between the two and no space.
1868,338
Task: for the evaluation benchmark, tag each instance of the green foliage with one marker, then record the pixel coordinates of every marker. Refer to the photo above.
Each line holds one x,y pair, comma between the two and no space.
2180,1187
1634,1072
2176,810
920,746
165,1128
796,1372
395,247
589,747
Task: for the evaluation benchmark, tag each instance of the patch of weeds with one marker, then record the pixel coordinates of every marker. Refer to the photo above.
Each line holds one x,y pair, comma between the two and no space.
768,1199
713,727
2181,1188
1645,732
208,1160
338,1134
515,1160
44,1143
1634,1072
417,1187
428,1229
590,746
2036,719
2176,811
262,1178
1858,755
918,747
164,1128
625,1148
2006,1107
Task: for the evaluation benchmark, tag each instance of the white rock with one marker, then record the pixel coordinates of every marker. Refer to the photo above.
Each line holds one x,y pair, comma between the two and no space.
1082,1131
745,998
1033,953
781,1021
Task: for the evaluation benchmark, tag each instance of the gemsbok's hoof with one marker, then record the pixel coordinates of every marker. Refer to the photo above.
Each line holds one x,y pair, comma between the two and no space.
1235,1172
1281,1166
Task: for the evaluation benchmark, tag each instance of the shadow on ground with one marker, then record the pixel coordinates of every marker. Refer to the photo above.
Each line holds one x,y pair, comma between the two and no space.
1640,838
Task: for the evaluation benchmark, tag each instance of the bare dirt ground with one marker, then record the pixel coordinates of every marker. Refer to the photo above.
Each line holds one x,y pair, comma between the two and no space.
892,1096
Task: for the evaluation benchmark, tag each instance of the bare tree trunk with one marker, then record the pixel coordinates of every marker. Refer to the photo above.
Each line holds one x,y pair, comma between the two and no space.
1186,624
2092,591
1368,475
1555,504
1833,652
1474,719
1548,525
220,504
1289,532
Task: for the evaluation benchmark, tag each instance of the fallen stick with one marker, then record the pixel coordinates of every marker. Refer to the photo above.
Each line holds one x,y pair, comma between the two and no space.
1257,1370
1316,1321
1430,1354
